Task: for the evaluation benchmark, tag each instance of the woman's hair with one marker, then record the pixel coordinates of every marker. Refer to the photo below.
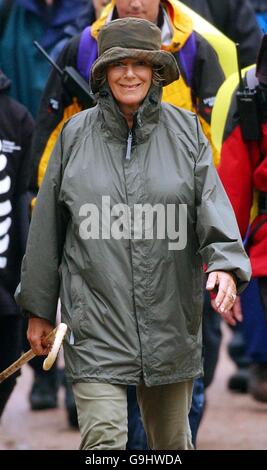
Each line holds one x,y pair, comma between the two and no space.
156,76
157,79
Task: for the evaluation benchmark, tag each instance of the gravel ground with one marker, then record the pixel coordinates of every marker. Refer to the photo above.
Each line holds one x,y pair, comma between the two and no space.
231,421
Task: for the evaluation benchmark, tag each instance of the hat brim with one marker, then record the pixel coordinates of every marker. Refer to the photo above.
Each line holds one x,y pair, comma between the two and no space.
165,61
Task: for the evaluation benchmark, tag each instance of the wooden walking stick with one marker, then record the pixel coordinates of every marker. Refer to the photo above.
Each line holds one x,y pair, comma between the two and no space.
56,336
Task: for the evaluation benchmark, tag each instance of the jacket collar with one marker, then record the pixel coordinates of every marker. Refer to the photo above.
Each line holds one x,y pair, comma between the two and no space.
114,124
176,28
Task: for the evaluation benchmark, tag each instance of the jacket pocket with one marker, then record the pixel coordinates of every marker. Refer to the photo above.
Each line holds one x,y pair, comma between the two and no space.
77,302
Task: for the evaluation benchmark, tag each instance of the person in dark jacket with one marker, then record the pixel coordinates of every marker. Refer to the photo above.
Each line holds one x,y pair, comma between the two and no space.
236,19
130,276
16,128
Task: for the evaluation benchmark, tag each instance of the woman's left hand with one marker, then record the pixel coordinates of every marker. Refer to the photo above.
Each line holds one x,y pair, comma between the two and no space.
226,296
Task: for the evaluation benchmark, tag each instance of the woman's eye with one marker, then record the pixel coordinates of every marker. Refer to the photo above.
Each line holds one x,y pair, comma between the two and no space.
117,64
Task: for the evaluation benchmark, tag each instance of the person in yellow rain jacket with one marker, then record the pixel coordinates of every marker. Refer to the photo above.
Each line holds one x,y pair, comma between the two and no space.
201,73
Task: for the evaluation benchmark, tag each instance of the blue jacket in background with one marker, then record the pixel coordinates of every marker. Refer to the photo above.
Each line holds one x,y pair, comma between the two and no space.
30,20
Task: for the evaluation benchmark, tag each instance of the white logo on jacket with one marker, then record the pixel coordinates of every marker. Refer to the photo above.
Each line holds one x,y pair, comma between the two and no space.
142,221
5,206
8,146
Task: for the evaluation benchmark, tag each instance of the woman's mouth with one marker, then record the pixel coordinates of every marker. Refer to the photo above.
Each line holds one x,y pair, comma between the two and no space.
131,87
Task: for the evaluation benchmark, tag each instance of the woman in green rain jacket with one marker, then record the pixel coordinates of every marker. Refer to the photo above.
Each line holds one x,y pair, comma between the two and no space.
130,210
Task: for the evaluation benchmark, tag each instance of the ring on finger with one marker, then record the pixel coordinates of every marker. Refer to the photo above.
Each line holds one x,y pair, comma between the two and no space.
232,296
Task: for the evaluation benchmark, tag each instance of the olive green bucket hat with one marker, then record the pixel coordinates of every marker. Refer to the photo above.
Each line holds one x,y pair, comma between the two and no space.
133,38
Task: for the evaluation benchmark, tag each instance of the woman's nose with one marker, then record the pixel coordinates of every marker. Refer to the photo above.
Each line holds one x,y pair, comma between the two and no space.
135,3
129,70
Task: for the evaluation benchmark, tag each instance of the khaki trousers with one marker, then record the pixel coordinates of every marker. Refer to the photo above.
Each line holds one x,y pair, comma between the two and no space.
102,415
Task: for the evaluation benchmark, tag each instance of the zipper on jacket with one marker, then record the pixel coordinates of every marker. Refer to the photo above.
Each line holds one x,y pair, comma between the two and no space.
129,145
128,157
72,339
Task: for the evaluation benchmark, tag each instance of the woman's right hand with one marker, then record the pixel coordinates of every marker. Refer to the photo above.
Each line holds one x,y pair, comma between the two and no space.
38,329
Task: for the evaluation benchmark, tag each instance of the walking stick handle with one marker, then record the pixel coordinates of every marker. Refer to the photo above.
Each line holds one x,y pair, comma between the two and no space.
59,335
56,335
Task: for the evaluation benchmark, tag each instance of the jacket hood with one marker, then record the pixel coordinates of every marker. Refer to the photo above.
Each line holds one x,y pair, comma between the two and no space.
4,82
181,24
146,118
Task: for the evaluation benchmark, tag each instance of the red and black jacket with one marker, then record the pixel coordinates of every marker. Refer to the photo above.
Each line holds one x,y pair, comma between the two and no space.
243,171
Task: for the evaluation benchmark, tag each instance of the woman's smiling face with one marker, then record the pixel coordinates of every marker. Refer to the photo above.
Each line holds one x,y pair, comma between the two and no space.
129,81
